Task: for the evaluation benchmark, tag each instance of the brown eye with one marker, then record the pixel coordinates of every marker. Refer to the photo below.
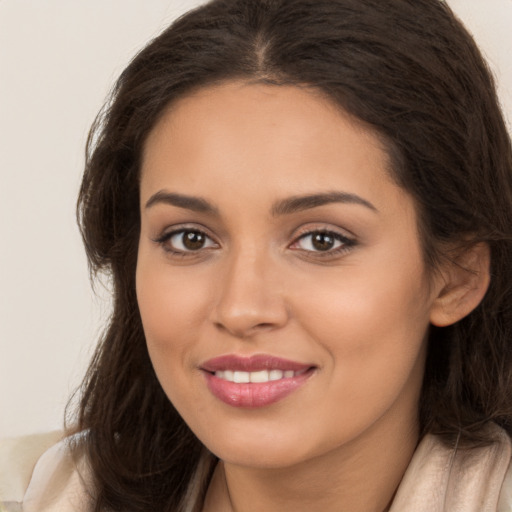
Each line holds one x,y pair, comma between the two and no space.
189,240
320,241
193,240
328,242
323,241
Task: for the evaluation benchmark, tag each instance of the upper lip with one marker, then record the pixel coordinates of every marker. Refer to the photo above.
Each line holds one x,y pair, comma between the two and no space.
252,364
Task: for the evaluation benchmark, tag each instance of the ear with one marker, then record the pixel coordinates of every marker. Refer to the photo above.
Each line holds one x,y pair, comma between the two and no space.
462,284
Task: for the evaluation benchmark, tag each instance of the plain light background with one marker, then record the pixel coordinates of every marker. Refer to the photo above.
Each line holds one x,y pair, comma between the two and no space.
58,60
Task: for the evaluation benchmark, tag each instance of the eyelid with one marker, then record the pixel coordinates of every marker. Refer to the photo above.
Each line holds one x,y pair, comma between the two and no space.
314,227
183,226
348,242
172,231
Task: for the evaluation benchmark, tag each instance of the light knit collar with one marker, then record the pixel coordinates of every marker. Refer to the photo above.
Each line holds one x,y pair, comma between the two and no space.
443,479
438,479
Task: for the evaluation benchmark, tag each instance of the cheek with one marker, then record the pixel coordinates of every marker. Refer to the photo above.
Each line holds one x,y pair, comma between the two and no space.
377,294
172,311
172,306
374,339
372,323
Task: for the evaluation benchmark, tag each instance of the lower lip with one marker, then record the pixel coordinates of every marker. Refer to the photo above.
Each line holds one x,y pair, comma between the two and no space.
253,395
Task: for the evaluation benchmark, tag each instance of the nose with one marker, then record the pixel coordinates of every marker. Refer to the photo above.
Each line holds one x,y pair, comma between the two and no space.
250,296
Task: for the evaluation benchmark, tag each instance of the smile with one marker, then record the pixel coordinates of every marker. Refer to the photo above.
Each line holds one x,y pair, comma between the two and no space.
241,377
253,382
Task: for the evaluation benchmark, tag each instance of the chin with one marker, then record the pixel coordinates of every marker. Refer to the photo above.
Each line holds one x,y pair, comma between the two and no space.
257,456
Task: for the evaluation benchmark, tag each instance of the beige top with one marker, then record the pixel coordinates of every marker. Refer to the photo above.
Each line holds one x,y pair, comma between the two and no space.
438,479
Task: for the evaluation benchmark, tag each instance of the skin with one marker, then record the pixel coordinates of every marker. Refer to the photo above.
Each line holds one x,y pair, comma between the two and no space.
360,315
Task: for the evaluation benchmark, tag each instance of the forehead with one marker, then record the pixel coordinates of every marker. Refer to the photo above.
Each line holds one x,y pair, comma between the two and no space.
277,140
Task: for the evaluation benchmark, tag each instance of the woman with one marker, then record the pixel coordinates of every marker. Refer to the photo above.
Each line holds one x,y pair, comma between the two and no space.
306,210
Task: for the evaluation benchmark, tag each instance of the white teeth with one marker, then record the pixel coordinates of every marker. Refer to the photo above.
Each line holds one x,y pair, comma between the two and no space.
259,376
241,377
256,377
275,374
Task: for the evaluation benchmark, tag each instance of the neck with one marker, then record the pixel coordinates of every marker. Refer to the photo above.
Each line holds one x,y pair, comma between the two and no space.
360,476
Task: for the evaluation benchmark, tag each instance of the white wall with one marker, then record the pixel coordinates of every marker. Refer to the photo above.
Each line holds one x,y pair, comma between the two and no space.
58,59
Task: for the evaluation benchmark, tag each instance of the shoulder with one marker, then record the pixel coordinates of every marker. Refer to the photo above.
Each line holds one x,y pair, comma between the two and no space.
441,477
505,501
18,457
57,481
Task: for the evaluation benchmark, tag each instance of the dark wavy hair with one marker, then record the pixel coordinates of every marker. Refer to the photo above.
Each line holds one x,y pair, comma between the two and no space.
407,69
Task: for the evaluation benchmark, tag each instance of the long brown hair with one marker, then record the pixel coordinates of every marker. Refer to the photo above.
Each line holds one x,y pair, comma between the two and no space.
406,68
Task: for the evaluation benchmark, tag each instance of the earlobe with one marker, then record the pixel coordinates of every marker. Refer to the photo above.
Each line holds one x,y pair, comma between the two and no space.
463,283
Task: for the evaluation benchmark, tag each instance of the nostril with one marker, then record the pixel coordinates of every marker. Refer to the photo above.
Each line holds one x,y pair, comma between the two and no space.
267,325
243,327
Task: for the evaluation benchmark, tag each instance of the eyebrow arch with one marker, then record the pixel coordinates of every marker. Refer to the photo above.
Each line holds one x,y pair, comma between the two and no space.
300,203
196,204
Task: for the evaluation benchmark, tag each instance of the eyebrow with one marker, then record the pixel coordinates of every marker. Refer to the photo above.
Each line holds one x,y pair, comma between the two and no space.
282,207
196,204
306,202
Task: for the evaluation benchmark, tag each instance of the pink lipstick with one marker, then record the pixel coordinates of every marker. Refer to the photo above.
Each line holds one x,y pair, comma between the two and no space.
255,381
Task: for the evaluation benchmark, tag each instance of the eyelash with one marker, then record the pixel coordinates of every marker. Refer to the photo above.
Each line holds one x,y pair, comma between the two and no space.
166,237
346,243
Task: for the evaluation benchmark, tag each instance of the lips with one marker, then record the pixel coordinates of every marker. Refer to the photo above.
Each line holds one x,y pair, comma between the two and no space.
256,381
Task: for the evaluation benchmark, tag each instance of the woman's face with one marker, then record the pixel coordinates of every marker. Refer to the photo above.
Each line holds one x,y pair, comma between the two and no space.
280,278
